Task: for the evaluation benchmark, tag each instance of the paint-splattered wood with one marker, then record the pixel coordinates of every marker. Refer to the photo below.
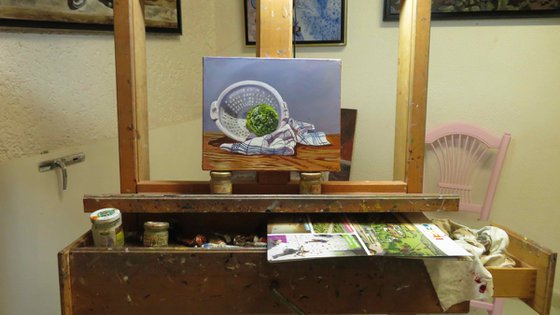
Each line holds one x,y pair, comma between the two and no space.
64,278
182,281
273,178
132,98
330,187
274,40
153,203
412,90
274,28
418,95
540,258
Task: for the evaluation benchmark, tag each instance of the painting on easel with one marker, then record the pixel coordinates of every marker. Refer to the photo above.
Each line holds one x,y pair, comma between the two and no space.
271,114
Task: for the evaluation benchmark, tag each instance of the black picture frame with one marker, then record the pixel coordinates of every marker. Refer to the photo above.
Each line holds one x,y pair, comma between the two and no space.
338,29
391,11
10,19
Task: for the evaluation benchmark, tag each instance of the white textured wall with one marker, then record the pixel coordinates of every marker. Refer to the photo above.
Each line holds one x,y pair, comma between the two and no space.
55,91
58,90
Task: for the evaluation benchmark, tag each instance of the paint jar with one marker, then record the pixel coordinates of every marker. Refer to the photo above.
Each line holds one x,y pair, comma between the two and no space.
220,182
310,183
106,228
156,234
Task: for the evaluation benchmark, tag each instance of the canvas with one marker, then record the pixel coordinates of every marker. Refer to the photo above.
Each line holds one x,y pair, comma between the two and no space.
271,114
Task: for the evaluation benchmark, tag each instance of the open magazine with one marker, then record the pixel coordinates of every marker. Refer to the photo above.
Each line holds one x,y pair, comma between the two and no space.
299,237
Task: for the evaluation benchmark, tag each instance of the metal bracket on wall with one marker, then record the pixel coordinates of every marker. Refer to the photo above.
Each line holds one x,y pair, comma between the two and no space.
62,163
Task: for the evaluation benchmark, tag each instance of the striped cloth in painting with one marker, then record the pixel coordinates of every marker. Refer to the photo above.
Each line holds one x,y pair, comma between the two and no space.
280,142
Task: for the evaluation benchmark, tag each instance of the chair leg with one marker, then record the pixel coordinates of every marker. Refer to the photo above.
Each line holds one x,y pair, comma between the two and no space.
498,307
482,305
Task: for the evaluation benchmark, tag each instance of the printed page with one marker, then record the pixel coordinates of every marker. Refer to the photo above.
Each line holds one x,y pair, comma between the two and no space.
303,237
298,237
402,235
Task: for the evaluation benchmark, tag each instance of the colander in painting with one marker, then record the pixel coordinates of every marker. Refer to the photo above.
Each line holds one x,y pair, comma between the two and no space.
229,112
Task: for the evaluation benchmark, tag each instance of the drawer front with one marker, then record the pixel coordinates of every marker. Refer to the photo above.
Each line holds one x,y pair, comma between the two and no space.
140,281
536,277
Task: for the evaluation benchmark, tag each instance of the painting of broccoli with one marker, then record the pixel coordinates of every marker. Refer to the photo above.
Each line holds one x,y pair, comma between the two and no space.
262,120
271,114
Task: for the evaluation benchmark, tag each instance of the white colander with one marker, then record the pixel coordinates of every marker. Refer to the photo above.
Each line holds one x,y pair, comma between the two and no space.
229,112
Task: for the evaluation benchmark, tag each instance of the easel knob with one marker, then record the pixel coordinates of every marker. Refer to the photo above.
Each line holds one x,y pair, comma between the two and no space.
310,183
220,182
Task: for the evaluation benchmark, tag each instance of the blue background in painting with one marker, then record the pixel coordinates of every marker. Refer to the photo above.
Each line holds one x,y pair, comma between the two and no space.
310,87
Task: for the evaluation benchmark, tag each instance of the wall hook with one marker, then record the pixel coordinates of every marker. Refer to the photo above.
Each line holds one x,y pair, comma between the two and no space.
62,163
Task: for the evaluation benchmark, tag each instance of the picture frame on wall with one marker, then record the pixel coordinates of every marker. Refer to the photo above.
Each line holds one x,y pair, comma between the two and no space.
162,16
480,9
316,22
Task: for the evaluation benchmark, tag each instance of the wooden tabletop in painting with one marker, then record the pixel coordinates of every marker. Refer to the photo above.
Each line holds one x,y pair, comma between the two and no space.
307,158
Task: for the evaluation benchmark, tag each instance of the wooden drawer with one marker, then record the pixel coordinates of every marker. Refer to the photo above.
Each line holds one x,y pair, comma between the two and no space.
179,280
533,279
176,280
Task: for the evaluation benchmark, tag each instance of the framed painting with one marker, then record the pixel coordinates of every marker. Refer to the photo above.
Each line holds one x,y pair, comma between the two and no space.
266,114
481,9
161,15
316,22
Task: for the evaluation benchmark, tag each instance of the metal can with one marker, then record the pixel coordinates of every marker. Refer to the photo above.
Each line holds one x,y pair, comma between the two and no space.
156,234
106,228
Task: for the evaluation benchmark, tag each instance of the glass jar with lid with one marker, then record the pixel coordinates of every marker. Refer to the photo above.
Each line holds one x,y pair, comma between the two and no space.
156,234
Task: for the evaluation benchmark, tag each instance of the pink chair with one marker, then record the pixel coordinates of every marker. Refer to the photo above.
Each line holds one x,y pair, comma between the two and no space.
460,150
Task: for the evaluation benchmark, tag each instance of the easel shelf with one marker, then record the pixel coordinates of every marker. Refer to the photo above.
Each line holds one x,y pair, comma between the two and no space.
208,203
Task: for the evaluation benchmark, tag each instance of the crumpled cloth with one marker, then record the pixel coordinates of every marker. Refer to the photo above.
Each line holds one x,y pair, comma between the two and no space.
280,142
464,279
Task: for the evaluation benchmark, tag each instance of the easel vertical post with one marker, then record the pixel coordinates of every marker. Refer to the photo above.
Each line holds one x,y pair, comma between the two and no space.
412,90
132,111
274,40
274,28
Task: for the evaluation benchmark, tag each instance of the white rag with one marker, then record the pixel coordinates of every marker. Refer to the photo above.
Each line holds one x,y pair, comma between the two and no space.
464,279
280,142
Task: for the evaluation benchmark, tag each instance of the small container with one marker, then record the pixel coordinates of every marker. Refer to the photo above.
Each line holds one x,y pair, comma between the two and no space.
156,234
220,182
106,228
310,183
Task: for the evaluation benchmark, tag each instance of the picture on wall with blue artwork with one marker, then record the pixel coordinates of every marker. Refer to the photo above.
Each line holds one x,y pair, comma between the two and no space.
316,22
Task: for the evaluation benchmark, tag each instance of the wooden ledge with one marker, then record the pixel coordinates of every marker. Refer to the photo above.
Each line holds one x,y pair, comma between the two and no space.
205,203
330,187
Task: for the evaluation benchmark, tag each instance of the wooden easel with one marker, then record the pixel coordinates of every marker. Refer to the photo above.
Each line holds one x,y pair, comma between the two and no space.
274,36
173,279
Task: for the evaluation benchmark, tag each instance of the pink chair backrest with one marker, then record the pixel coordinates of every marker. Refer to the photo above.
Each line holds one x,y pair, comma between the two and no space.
460,150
